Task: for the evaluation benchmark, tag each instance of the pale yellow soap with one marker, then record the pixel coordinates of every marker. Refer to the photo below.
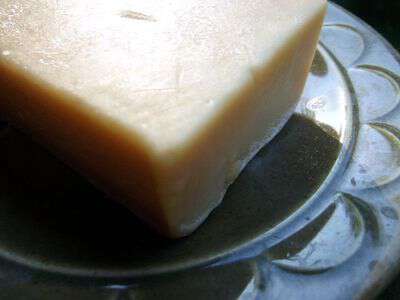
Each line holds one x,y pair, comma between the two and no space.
159,103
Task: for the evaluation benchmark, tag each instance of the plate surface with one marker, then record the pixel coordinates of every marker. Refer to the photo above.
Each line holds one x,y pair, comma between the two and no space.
315,215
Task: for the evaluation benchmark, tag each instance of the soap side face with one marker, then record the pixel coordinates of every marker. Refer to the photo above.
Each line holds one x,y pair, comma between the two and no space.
159,104
110,156
196,182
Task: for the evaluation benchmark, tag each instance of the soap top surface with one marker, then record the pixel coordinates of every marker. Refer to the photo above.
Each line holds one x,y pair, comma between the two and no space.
160,68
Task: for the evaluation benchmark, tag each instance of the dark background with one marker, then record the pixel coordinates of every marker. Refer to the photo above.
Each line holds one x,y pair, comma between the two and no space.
384,16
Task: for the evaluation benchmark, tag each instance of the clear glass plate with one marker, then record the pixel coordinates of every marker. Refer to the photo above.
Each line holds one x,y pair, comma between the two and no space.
315,215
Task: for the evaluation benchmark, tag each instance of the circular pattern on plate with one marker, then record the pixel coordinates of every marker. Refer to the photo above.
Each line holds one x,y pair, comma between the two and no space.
340,238
376,159
377,91
351,45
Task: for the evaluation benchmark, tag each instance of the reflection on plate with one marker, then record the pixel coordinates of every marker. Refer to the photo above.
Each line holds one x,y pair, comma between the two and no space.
315,215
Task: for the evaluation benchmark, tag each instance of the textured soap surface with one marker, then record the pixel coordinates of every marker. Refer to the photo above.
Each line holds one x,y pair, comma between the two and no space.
159,103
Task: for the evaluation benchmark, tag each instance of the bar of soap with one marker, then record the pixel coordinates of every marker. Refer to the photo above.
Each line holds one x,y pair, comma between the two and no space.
158,103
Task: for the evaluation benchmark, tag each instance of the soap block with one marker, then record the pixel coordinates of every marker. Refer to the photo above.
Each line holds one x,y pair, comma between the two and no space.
160,104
